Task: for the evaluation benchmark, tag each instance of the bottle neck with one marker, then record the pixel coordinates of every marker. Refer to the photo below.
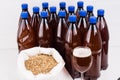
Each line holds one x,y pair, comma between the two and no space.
89,12
62,19
83,17
53,12
72,24
44,18
44,21
45,8
70,13
100,15
24,18
93,27
80,8
92,24
25,21
35,12
62,8
24,10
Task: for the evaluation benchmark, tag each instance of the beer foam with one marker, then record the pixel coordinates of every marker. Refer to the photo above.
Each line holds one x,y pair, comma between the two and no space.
82,52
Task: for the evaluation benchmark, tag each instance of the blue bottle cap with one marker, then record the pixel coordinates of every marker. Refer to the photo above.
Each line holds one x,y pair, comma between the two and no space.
24,15
71,8
80,3
62,14
62,4
36,9
45,4
93,20
72,18
53,9
100,12
24,6
44,14
89,8
83,13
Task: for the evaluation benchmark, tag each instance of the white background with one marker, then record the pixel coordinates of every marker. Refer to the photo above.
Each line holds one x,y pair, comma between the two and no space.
9,16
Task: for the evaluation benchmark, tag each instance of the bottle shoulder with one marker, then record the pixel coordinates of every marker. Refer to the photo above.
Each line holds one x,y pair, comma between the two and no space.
82,22
72,34
93,39
53,18
103,28
35,19
25,31
101,23
25,23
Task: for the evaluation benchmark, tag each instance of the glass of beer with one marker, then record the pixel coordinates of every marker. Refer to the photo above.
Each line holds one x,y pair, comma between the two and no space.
82,59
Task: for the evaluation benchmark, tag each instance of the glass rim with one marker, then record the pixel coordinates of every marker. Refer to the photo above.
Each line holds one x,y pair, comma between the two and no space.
83,50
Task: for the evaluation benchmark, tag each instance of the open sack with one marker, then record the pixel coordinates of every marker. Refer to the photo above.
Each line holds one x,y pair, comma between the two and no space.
28,75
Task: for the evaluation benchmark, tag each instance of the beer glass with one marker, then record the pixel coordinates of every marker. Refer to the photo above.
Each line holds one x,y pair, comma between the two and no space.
82,59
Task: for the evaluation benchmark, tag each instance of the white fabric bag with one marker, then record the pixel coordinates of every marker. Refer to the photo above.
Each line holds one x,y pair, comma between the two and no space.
27,74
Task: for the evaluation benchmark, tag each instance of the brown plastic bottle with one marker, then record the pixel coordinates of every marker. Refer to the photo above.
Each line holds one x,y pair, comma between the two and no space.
89,12
44,37
35,21
24,7
103,28
53,22
79,8
72,40
82,25
93,41
25,35
60,36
